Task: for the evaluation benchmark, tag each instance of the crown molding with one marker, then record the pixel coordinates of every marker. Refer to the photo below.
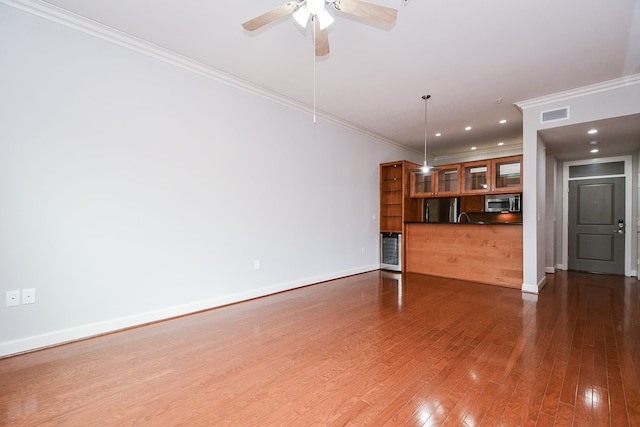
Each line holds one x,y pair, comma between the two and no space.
61,16
578,92
481,154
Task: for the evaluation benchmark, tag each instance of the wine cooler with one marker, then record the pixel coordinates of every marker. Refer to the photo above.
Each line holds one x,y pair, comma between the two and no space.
391,251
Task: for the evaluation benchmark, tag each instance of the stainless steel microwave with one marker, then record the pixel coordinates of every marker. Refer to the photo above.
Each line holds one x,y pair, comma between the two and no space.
503,203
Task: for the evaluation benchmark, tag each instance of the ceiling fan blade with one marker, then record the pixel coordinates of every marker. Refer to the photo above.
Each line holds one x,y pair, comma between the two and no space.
272,15
321,39
383,14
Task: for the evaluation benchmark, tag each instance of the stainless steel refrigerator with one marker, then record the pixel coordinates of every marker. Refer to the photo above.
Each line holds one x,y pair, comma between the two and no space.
441,210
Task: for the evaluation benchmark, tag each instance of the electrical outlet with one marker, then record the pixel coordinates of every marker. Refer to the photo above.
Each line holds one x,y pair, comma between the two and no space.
256,264
28,296
13,298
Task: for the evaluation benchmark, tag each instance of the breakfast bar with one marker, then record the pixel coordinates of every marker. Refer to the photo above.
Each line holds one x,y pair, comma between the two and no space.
487,253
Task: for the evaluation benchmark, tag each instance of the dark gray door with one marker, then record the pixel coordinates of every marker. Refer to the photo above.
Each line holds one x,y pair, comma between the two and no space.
596,225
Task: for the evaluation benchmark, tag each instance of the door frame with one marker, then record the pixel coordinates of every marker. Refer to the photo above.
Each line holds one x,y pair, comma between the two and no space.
628,196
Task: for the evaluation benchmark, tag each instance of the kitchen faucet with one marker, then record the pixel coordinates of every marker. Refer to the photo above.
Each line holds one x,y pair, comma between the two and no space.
466,215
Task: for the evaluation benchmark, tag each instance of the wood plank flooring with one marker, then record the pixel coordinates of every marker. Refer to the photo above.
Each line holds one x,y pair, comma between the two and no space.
364,350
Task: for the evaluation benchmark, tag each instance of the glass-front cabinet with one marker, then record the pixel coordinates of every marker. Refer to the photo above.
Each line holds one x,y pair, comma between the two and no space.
501,175
422,184
441,181
507,175
447,181
476,177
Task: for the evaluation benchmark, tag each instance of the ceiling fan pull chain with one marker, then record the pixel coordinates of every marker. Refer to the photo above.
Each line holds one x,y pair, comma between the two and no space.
314,70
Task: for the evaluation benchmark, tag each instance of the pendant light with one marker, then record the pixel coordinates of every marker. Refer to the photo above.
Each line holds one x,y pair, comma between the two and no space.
425,166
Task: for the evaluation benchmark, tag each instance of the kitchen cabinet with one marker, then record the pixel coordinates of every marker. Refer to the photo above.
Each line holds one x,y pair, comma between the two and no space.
472,204
443,181
475,176
500,175
422,184
448,180
507,175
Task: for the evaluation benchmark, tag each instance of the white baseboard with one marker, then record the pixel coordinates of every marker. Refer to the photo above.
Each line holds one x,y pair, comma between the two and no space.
49,339
542,283
534,289
553,270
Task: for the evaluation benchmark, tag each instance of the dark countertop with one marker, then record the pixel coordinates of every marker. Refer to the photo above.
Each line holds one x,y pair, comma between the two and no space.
464,223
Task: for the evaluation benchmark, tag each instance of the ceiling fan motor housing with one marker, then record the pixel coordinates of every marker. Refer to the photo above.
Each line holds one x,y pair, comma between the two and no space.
315,6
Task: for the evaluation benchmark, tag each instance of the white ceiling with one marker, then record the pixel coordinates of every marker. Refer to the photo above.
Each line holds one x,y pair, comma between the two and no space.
476,59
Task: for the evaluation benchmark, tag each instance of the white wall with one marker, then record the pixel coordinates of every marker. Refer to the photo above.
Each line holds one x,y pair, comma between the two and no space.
601,101
552,220
132,190
533,210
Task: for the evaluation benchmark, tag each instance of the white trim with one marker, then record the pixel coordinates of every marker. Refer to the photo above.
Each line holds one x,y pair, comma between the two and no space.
68,19
113,325
550,270
628,195
466,156
542,283
534,289
581,91
581,178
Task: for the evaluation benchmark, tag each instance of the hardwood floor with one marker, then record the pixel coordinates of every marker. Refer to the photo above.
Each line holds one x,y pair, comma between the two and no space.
363,350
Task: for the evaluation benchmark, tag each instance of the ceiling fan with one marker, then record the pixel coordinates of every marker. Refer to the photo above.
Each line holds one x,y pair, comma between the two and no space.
316,11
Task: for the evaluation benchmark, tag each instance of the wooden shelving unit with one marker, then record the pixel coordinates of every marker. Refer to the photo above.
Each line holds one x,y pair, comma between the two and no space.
396,206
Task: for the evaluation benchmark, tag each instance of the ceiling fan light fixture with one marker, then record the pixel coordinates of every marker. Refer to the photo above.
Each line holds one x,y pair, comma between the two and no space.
310,9
315,6
325,19
317,11
301,15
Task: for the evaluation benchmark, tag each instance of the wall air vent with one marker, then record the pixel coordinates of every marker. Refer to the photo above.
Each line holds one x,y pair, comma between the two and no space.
554,115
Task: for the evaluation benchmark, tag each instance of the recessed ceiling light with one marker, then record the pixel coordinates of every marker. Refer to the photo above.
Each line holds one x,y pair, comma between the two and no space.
500,144
595,150
438,134
473,148
467,128
593,143
592,131
503,121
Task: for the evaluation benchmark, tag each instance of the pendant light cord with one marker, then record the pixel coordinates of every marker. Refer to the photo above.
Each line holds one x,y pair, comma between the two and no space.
425,97
314,71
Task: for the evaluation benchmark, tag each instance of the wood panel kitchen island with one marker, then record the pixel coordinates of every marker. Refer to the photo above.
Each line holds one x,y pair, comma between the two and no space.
485,253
